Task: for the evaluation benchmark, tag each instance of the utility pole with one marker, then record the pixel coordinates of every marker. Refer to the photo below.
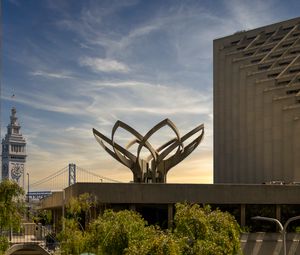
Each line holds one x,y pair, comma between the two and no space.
1,36
28,203
28,188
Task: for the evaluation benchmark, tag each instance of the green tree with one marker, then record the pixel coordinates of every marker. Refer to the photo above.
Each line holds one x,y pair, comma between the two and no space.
79,209
113,232
12,208
197,230
73,238
156,242
3,244
206,232
43,216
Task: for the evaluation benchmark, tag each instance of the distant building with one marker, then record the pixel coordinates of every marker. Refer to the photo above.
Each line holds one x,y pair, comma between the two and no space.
257,105
14,152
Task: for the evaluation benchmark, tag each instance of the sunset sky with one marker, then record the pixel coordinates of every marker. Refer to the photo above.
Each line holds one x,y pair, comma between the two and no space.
77,65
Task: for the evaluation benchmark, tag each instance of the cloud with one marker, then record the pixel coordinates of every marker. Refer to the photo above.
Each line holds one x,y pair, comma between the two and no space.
57,75
251,14
103,65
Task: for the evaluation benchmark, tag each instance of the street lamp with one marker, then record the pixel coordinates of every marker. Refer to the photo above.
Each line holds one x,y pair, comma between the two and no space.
28,206
28,188
282,228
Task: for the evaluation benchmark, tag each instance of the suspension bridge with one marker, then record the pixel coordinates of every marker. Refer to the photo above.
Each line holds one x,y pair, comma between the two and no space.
37,239
59,180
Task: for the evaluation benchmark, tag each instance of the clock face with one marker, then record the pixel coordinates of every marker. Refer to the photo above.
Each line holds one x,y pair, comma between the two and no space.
17,171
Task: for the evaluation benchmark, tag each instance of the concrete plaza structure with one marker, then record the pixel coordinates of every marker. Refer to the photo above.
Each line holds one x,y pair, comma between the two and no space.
134,195
156,203
256,105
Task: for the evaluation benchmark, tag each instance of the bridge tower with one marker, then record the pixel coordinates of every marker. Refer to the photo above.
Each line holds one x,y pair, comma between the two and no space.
14,152
72,174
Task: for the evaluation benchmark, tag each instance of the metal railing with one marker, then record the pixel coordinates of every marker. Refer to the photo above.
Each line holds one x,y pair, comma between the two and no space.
31,233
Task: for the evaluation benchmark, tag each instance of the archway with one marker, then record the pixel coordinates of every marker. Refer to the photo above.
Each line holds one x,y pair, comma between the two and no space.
34,249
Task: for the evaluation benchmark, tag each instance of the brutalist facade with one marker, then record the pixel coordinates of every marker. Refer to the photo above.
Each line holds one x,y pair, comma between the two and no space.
257,105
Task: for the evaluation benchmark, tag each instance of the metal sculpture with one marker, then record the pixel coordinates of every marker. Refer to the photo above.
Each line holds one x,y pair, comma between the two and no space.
154,168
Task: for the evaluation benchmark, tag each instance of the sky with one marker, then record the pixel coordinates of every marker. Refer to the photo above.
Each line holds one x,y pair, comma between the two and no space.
78,65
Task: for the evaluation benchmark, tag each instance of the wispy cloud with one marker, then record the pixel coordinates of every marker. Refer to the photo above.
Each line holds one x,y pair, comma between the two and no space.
57,75
104,65
95,62
252,14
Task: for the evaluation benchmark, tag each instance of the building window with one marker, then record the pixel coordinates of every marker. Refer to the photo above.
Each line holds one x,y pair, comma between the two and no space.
296,34
287,28
256,60
272,75
277,39
286,45
259,43
235,42
270,33
283,82
294,91
283,63
248,54
266,50
264,67
295,51
294,70
276,56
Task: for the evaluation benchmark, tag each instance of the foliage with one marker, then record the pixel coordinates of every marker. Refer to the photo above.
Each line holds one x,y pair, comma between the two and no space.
3,244
156,242
113,232
43,216
12,205
206,232
79,209
72,239
11,210
197,231
126,232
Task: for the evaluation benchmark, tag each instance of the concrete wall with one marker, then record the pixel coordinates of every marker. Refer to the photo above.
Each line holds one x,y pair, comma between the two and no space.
53,201
135,193
149,197
269,244
255,114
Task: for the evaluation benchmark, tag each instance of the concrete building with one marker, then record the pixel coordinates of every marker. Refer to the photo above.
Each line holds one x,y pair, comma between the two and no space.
14,152
156,203
256,105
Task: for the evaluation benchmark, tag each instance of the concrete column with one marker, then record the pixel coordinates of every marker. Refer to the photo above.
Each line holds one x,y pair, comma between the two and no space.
243,215
278,212
170,216
278,216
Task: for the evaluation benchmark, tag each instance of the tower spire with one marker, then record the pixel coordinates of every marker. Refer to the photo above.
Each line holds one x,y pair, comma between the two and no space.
14,151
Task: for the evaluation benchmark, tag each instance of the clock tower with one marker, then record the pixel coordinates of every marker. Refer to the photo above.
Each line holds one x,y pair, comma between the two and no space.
14,152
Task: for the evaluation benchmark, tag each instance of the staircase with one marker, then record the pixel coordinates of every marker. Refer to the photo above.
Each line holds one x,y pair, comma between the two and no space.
32,239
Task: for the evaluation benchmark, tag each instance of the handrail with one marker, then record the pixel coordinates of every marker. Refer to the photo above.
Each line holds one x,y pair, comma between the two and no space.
32,233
